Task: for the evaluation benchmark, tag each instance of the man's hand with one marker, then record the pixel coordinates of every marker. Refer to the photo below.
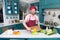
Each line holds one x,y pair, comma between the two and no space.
29,29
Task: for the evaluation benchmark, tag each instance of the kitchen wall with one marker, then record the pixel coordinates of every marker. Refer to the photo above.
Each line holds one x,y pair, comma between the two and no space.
52,15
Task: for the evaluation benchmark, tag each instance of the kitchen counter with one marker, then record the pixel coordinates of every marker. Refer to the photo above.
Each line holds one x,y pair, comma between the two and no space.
4,24
27,34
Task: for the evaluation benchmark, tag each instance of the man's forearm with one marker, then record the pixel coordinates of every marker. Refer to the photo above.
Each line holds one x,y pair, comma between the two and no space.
25,25
38,24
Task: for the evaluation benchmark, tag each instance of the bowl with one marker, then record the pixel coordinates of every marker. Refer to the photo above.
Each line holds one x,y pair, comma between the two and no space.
16,32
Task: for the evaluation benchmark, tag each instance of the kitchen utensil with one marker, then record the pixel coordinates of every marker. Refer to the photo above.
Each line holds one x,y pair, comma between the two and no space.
35,27
59,16
54,14
50,22
46,22
56,24
17,21
12,21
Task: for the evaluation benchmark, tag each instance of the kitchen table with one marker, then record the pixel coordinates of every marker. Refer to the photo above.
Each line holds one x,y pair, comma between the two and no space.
26,35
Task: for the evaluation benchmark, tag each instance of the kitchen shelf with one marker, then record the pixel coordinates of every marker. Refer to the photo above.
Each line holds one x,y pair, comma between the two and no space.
46,25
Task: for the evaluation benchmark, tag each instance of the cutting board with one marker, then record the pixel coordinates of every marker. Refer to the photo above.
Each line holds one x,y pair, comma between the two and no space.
35,27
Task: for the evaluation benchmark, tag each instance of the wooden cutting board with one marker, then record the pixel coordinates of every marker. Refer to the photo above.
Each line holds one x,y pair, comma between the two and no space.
35,27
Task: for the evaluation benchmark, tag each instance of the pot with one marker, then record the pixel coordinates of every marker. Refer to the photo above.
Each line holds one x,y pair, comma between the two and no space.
59,16
50,22
46,22
55,24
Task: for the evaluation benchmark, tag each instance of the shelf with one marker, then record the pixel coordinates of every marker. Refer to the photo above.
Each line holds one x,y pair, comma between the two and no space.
46,25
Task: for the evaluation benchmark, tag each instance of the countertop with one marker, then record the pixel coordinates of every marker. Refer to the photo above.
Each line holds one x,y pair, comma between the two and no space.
27,34
4,24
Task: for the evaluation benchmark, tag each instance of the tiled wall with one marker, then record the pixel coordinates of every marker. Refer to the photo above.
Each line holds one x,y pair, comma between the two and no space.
52,15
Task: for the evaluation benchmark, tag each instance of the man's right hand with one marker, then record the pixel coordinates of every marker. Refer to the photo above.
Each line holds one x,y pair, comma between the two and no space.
29,29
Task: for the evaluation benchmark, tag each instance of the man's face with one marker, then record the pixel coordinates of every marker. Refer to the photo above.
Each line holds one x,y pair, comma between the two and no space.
33,11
